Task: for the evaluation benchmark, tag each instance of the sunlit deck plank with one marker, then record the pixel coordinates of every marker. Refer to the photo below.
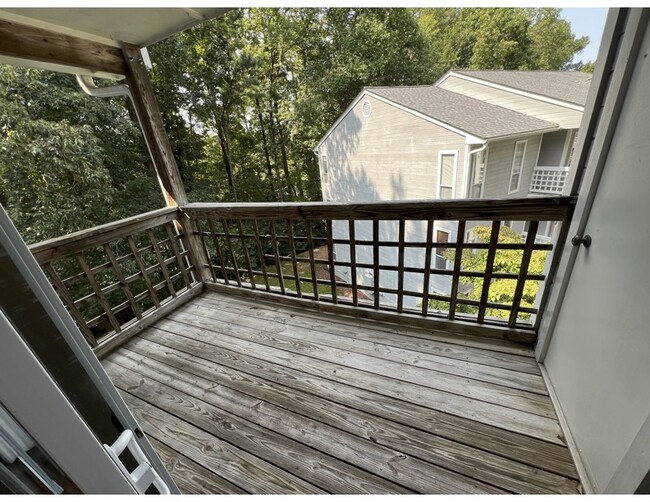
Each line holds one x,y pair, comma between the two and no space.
201,363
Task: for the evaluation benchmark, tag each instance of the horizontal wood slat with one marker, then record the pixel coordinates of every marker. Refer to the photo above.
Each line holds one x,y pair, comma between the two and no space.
84,239
541,209
44,46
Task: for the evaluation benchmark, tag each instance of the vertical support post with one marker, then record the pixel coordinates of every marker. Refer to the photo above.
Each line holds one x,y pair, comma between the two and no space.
375,262
523,272
427,268
353,262
460,236
400,267
489,266
330,258
312,263
153,129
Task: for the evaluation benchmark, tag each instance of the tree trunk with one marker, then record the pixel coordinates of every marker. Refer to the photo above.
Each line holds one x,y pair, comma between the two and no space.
265,143
283,150
227,161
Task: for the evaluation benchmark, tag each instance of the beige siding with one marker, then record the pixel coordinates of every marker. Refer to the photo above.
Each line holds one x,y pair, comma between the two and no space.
499,166
564,117
390,155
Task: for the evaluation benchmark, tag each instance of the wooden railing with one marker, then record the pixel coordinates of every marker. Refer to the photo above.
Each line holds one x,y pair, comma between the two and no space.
113,276
381,256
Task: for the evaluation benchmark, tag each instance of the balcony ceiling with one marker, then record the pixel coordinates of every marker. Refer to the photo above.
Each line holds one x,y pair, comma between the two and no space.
139,27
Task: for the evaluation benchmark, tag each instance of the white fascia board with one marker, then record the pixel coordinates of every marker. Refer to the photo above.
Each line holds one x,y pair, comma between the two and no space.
527,134
469,139
514,90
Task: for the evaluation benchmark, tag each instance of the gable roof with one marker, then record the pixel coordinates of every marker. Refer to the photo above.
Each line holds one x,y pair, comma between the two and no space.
568,86
470,115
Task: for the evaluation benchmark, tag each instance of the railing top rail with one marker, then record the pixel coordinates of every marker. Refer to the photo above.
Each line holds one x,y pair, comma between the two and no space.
58,247
520,209
551,168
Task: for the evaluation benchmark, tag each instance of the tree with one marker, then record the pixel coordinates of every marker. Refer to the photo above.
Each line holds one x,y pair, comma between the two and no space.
68,161
499,38
506,260
553,45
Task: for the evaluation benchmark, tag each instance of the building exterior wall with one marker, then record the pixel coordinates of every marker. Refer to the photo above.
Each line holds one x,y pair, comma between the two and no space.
390,155
598,357
499,167
564,117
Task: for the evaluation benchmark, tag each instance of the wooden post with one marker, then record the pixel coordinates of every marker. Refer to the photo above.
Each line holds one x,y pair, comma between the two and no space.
160,148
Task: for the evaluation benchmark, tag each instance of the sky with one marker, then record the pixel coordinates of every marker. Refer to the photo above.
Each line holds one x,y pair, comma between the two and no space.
588,22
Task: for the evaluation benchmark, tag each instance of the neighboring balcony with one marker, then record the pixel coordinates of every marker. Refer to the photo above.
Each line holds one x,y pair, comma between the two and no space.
549,180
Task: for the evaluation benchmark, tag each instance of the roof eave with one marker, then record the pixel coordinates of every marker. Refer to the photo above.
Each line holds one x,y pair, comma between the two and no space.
523,134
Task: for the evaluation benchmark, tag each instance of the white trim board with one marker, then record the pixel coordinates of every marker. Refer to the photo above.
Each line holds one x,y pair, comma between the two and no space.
583,472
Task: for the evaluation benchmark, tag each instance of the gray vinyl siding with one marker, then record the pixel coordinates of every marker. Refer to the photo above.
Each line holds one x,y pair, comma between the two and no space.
414,231
499,166
390,155
564,117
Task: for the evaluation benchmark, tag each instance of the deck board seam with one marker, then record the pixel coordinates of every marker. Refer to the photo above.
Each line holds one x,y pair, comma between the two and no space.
365,390
430,358
243,419
206,303
478,397
363,412
451,337
388,448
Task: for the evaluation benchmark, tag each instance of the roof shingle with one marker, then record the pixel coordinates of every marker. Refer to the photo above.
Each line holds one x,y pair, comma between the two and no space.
470,115
569,86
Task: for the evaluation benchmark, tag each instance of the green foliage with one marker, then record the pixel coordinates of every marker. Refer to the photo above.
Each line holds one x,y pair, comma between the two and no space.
506,260
245,98
500,38
67,161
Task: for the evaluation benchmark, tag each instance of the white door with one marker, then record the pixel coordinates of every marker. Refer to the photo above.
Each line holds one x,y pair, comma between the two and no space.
59,413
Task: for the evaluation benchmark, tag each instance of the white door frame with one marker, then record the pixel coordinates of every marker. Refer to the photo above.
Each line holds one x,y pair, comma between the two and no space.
35,278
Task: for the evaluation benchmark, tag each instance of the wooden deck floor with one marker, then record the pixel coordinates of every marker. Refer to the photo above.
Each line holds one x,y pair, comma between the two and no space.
243,396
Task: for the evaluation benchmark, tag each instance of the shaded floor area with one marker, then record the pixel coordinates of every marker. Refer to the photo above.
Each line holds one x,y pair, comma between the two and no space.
246,396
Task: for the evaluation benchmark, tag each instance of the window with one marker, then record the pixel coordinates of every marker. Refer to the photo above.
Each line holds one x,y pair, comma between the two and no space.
366,108
517,166
446,174
324,168
477,174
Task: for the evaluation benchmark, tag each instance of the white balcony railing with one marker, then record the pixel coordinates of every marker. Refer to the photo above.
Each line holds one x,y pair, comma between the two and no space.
548,180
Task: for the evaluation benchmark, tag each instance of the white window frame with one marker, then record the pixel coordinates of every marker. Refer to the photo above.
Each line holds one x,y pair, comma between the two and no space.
324,168
521,167
453,179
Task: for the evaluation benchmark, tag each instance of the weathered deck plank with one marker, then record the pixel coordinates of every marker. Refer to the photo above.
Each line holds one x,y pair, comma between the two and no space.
469,461
266,400
237,466
414,388
192,478
355,342
433,342
216,417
